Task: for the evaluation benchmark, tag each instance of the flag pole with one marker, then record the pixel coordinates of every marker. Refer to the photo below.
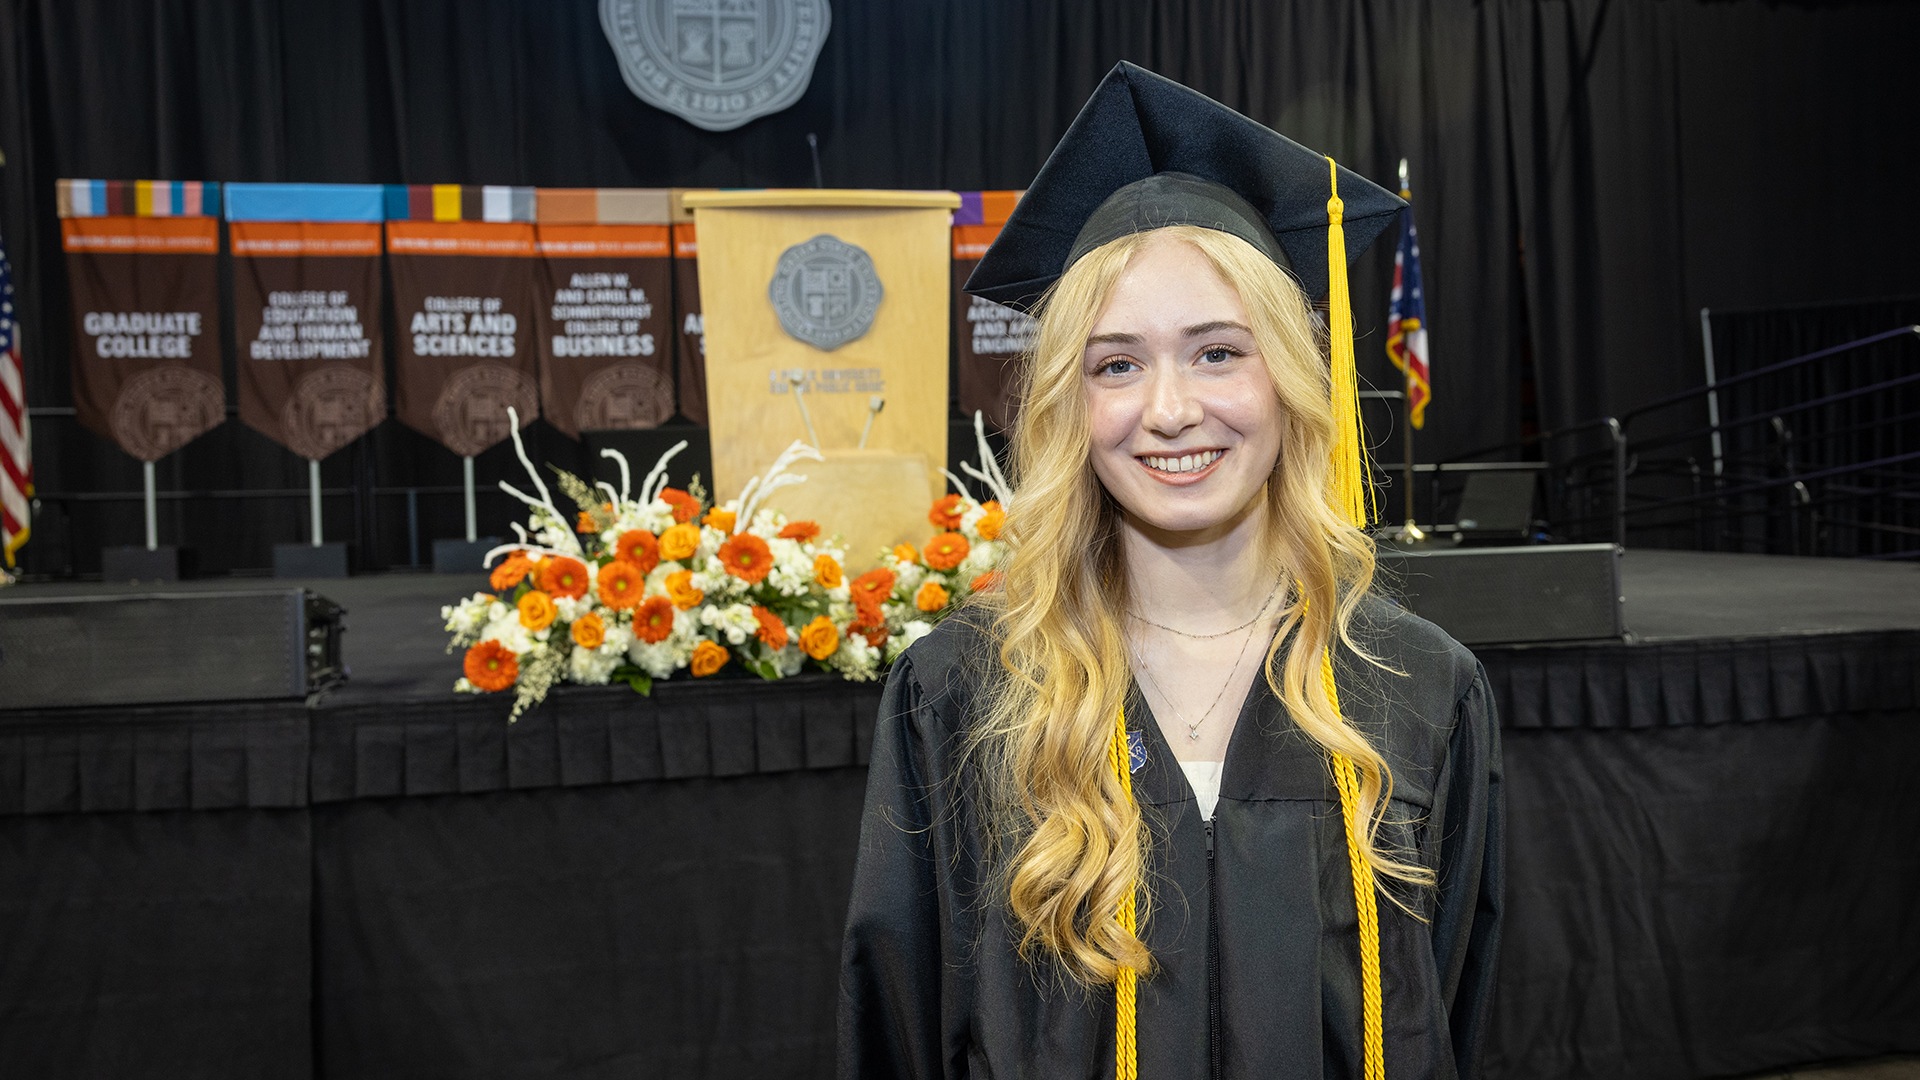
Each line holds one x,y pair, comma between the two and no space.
1408,533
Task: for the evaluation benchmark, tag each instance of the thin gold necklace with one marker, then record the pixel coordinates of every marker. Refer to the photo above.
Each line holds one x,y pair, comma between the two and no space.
1208,637
1193,729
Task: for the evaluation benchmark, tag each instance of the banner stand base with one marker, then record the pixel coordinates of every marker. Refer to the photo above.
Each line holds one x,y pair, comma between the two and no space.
308,561
136,563
462,556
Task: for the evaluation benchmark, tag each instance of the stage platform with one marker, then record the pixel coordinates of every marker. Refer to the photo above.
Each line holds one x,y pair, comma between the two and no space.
1710,835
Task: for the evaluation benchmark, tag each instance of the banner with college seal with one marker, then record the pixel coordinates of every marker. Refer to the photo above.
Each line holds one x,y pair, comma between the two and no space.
306,312
605,316
690,324
142,275
988,337
465,289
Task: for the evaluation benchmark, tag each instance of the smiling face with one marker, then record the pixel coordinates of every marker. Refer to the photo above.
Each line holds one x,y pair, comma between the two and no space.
1186,426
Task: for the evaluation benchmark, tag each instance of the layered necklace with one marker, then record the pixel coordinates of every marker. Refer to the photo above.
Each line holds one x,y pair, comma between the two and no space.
1193,727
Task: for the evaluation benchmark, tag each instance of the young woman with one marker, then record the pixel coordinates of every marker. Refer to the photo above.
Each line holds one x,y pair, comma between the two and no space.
1186,800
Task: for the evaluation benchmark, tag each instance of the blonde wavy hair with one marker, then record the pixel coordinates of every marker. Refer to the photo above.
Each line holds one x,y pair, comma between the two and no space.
1068,841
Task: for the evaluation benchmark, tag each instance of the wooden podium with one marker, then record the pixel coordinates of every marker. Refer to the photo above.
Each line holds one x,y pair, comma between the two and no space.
762,253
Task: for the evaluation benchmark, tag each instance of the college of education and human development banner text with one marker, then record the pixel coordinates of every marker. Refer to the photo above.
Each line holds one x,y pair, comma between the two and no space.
306,312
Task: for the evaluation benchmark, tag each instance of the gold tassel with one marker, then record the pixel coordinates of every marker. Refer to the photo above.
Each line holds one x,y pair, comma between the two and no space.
1352,488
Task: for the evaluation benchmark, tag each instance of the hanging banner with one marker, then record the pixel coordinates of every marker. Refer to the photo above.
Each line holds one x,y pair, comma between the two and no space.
605,315
988,337
464,294
306,312
690,328
141,272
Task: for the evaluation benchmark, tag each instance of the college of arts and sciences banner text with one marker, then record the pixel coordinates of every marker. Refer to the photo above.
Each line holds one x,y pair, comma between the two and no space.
146,328
604,326
464,294
306,316
989,337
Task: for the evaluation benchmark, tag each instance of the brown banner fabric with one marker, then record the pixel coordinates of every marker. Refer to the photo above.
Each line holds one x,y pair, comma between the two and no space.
464,295
989,337
146,364
689,324
603,326
306,315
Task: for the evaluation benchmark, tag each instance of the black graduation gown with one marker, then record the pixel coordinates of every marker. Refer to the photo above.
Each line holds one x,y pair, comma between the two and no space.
930,982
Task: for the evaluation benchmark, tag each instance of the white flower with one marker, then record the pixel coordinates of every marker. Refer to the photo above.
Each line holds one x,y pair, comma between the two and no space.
572,607
970,517
735,622
982,557
463,685
789,660
910,575
591,666
506,630
855,659
466,619
911,631
618,637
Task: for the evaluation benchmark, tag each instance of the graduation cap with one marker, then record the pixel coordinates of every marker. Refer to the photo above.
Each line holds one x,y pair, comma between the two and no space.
1146,152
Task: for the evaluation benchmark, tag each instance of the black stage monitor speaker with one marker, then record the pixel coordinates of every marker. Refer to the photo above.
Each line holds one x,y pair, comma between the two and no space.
152,648
1497,507
1484,596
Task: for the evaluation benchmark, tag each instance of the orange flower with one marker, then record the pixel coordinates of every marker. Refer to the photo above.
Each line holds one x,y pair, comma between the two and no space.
800,530
866,614
537,611
877,635
945,551
680,541
718,519
639,547
826,571
684,505
946,512
820,639
875,585
746,557
680,590
511,569
931,597
491,666
986,581
772,630
708,658
562,576
621,584
992,521
589,631
584,523
905,553
654,620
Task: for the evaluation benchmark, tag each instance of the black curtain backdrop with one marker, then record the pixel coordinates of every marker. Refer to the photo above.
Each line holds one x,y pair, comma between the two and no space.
1587,174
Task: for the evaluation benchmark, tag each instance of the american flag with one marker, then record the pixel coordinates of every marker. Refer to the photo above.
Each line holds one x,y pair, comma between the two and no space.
1407,322
16,441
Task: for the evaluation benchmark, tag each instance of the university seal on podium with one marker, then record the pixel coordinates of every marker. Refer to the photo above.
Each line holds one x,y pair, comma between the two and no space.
825,292
716,63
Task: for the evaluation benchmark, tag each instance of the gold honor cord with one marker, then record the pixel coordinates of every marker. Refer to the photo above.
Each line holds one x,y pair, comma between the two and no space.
1126,1051
1353,497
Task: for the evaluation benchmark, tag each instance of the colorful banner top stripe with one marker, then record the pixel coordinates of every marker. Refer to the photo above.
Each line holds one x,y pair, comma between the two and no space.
305,202
459,202
985,207
137,198
603,206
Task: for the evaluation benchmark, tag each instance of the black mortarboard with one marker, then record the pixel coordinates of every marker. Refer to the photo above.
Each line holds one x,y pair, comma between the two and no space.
1147,152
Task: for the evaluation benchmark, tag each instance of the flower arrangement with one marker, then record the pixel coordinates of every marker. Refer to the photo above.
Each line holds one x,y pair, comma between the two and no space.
899,601
641,586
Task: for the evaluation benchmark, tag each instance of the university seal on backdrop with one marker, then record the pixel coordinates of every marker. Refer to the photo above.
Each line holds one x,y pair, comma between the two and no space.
471,413
622,397
330,408
716,63
825,292
164,408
